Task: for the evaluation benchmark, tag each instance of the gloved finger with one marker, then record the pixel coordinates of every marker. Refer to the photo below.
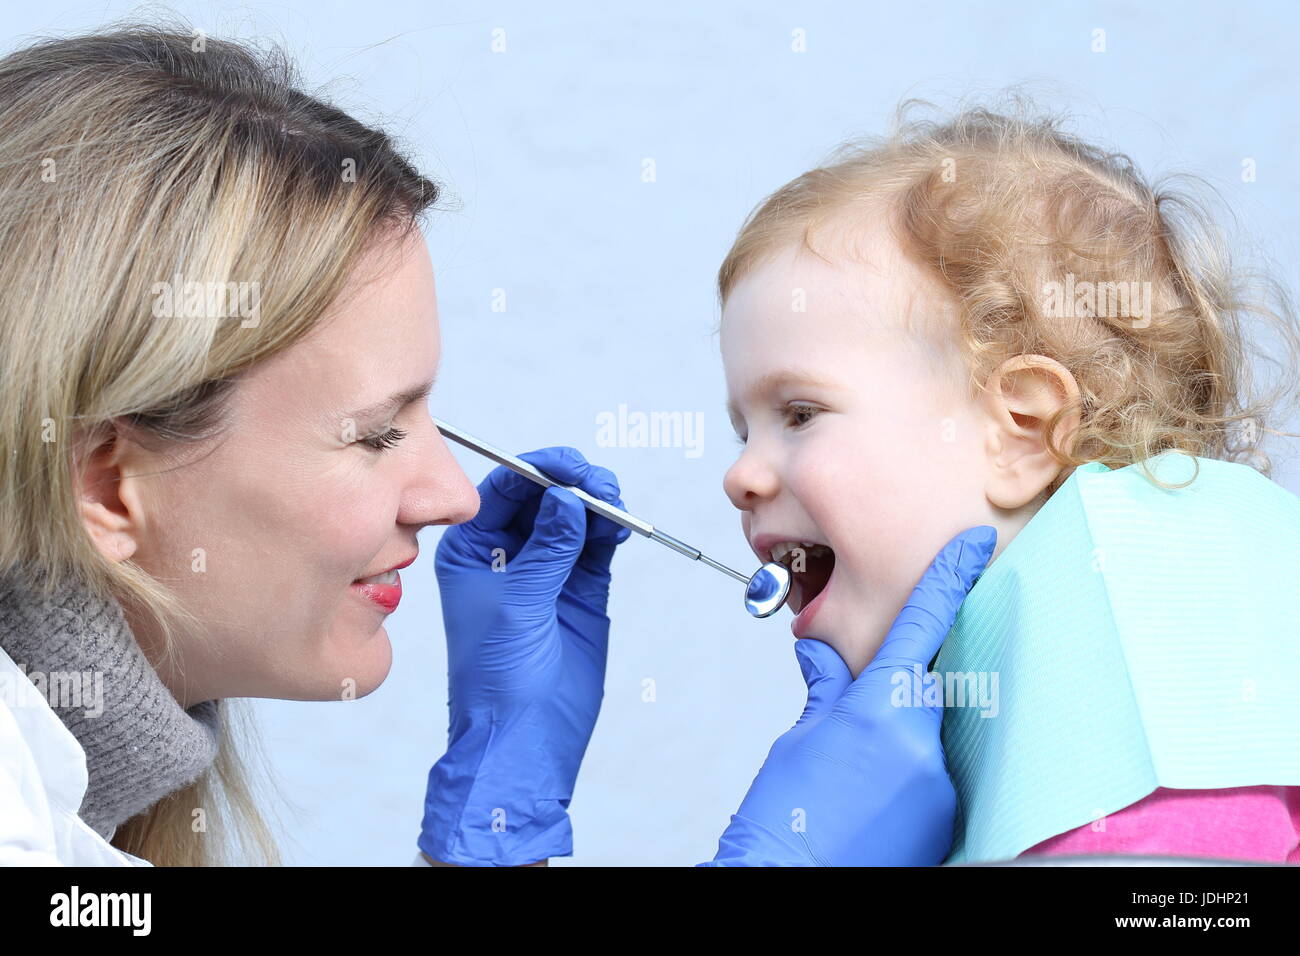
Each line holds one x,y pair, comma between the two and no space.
825,673
567,465
920,628
504,494
562,463
550,552
591,574
605,485
598,552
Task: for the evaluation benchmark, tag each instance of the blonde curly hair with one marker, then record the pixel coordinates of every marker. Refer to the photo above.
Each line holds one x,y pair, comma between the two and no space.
1006,209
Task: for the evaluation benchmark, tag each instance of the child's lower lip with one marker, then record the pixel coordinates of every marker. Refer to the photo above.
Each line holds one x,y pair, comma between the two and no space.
383,596
803,620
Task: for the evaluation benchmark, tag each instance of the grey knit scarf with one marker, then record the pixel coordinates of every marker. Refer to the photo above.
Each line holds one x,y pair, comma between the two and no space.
80,652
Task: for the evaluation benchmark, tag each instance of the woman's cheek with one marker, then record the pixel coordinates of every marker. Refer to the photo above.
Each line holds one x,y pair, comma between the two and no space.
358,533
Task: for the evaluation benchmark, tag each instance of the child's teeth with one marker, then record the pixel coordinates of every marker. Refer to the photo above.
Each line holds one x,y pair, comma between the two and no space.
388,577
781,550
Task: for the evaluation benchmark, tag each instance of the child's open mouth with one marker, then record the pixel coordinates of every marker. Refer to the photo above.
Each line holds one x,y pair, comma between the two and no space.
811,566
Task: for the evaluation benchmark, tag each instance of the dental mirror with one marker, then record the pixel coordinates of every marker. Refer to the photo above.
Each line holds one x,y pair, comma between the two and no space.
765,592
768,590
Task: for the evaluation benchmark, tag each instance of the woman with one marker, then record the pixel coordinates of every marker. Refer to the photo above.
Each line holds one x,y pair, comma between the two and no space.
216,466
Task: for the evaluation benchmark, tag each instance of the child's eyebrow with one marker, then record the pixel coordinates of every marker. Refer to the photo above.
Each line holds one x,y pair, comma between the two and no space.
771,382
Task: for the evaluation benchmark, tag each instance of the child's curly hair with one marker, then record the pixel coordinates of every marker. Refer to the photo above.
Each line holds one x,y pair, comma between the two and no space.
1007,210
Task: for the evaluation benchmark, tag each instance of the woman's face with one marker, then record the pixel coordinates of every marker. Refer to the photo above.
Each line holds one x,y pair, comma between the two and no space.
265,532
860,437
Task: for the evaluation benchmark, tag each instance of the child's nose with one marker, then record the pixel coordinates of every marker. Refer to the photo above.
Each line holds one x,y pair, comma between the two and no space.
750,480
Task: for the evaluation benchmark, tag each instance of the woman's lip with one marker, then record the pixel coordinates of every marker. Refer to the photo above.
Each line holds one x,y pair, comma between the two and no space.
396,567
803,620
384,596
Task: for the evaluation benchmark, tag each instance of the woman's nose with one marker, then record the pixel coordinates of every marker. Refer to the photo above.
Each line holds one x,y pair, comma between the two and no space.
441,492
750,479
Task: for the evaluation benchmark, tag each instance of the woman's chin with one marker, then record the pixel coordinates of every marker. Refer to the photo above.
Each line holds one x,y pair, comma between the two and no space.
357,671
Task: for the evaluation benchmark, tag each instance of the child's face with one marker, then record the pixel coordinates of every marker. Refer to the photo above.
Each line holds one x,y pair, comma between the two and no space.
858,437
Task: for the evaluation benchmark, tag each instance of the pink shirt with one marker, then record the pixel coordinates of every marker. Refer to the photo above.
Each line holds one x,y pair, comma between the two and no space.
1241,823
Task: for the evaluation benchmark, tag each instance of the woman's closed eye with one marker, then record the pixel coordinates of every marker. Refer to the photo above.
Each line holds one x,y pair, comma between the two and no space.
383,440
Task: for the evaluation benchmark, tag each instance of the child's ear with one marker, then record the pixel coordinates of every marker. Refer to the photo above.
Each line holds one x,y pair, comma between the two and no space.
107,494
1021,395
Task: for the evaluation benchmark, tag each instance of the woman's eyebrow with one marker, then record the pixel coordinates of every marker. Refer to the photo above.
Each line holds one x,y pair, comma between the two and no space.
774,380
407,396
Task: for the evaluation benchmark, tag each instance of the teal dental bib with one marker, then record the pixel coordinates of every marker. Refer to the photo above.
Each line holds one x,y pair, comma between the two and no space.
1128,638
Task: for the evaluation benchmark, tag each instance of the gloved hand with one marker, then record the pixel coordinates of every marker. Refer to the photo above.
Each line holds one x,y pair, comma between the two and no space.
524,588
859,780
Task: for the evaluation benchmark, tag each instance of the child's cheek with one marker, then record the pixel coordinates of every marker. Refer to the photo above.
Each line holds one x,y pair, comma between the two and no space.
880,515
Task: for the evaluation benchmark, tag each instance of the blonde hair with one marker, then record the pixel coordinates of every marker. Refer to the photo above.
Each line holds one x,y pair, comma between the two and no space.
997,204
132,156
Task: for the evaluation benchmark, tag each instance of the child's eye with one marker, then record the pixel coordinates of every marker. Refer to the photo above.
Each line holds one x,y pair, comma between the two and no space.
797,409
384,439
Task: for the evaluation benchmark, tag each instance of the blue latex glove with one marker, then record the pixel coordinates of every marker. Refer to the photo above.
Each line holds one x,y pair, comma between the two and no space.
526,650
859,781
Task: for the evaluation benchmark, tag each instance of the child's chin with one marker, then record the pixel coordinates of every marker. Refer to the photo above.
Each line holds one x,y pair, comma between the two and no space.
856,647
823,630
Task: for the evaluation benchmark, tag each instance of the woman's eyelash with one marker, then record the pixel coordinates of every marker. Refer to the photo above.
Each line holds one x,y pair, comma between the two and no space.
384,439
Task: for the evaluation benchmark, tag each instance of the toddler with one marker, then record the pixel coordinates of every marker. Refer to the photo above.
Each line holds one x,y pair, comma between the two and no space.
931,331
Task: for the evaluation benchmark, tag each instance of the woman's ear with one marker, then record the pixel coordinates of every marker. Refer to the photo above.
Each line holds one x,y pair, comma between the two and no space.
1019,398
107,494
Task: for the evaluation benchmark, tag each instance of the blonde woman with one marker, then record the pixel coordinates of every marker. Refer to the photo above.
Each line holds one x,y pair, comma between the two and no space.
217,338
